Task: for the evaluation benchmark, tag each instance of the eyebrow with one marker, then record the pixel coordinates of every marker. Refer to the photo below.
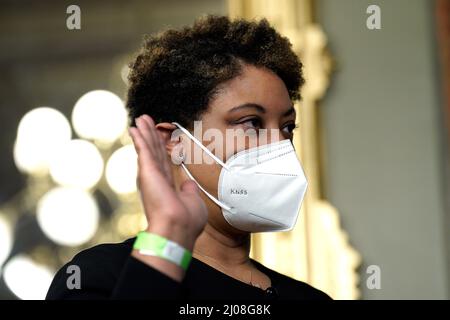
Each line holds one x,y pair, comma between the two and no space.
259,108
289,112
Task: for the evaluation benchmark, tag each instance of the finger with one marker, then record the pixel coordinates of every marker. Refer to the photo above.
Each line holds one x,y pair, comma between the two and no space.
149,126
159,149
166,163
156,151
146,161
146,134
142,135
149,170
145,158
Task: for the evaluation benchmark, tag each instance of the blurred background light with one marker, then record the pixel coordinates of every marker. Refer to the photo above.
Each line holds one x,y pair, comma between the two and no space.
27,279
121,170
5,239
78,163
130,223
99,115
68,216
40,133
124,72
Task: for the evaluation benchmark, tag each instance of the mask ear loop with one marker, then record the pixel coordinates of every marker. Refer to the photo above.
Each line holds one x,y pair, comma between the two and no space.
220,204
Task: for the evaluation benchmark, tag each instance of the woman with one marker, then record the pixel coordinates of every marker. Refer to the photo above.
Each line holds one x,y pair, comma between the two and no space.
236,76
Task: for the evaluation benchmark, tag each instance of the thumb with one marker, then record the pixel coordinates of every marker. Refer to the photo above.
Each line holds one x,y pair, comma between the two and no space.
189,187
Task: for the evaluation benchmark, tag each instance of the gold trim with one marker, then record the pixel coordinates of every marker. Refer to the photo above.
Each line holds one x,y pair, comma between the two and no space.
317,251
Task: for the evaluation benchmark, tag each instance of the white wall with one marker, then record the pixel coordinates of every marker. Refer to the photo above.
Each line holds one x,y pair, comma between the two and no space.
384,144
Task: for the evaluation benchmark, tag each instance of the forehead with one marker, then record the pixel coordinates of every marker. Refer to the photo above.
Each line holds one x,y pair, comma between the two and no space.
254,85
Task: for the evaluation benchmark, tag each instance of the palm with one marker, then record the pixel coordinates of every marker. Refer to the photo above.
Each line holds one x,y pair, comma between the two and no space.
160,198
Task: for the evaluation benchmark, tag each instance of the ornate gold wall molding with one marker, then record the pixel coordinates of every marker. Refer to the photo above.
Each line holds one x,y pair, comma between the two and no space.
317,251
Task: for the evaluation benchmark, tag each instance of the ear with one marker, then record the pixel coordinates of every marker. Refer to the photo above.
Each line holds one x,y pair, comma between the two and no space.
166,130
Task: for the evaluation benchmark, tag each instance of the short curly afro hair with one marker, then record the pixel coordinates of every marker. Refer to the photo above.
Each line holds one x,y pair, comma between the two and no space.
177,72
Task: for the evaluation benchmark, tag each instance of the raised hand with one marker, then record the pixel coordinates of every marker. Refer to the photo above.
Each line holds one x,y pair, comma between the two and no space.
177,214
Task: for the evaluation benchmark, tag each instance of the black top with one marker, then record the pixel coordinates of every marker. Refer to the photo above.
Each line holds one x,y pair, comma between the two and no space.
109,271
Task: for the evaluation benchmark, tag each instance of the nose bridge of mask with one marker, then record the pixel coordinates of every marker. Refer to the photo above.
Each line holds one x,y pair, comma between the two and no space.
216,201
257,156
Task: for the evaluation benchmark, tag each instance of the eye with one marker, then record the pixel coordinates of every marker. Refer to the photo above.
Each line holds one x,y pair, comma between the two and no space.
253,123
289,128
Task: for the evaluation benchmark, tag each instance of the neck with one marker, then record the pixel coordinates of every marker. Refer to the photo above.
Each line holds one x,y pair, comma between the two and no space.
225,249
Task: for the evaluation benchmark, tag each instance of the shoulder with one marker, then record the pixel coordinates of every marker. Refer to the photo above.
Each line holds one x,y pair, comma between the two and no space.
98,267
105,253
292,289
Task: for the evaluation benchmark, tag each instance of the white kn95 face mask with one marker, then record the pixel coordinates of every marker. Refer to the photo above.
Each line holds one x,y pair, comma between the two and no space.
260,189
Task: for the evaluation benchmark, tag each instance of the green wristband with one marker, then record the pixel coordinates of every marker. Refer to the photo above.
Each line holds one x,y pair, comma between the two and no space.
154,245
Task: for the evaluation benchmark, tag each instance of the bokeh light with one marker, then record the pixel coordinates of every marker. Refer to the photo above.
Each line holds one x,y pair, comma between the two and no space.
40,133
121,170
68,216
130,223
78,163
99,115
5,239
27,279
124,72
